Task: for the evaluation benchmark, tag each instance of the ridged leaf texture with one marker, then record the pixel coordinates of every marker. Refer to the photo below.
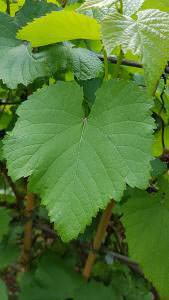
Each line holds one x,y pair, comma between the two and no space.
146,220
148,36
129,6
17,62
65,57
88,4
78,164
59,27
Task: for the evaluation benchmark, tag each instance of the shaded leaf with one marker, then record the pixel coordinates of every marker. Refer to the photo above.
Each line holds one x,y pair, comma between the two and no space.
146,220
33,9
5,219
83,63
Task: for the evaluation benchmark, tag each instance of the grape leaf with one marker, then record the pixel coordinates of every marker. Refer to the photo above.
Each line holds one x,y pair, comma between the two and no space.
62,26
9,254
65,57
17,62
131,6
148,36
5,219
3,291
55,280
88,4
78,164
33,9
146,219
156,4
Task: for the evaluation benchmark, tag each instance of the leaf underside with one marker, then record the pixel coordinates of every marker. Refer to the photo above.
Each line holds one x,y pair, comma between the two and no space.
148,37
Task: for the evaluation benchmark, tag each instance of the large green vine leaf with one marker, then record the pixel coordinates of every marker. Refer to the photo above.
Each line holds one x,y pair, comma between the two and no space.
148,36
78,164
59,27
146,219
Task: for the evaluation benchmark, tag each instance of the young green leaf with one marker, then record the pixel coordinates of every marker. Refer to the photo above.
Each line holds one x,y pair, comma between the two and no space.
59,27
146,219
148,36
78,164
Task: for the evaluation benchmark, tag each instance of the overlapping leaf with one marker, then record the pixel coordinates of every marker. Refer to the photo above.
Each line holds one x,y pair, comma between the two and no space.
33,9
5,219
55,280
65,57
146,219
148,36
59,27
129,6
76,164
17,62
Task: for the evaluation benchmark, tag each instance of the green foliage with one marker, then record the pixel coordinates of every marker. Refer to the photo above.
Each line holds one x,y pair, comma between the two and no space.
146,219
131,6
54,279
18,64
33,9
77,145
9,254
76,152
3,291
68,26
5,219
156,4
96,4
148,36
65,57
